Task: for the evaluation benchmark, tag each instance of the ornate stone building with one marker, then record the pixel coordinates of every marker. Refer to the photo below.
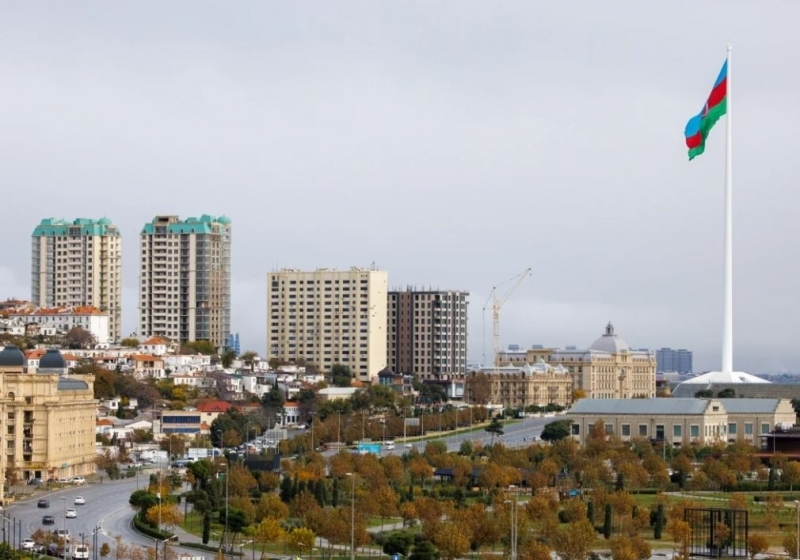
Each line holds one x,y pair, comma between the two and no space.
518,387
608,369
47,419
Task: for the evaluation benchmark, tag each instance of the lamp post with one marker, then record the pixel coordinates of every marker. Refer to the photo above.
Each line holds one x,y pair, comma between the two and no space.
352,516
95,540
225,532
797,550
339,432
64,499
513,504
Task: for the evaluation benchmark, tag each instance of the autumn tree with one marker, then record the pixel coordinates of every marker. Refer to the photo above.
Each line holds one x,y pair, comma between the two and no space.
241,481
758,544
534,550
451,539
271,506
300,539
168,514
574,541
78,338
121,548
269,531
479,387
681,533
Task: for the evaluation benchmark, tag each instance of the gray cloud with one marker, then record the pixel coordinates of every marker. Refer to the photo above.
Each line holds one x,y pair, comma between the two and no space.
452,143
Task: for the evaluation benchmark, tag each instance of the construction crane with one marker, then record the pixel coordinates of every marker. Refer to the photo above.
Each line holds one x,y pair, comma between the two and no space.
497,304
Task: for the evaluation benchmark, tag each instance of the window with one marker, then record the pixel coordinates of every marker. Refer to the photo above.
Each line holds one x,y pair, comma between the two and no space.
732,428
694,430
576,429
765,428
748,428
609,429
643,430
626,430
677,430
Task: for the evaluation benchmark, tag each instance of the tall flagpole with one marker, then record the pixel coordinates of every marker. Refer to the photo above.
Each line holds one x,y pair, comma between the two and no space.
727,328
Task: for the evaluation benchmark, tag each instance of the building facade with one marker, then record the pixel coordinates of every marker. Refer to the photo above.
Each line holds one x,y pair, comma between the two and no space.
680,421
78,263
427,333
608,369
329,316
673,361
518,387
185,279
47,417
62,319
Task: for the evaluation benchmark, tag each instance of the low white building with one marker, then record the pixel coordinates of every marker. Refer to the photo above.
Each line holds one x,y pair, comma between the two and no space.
63,319
186,363
156,346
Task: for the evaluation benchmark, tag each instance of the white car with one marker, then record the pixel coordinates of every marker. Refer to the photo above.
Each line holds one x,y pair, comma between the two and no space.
78,480
71,513
80,552
28,544
80,501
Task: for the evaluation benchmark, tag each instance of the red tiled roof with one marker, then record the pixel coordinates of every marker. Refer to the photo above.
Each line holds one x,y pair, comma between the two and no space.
155,340
214,406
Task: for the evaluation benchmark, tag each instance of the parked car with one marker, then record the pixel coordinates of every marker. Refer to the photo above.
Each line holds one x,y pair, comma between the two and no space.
78,480
63,481
54,550
43,503
48,520
28,544
80,501
35,481
80,552
71,513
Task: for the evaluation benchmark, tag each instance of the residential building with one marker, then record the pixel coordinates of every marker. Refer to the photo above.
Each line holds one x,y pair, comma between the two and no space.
47,417
681,421
76,264
146,366
63,319
185,279
673,361
328,316
427,333
186,422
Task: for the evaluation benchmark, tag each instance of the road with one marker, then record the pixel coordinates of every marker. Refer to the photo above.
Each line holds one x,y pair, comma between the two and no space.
106,505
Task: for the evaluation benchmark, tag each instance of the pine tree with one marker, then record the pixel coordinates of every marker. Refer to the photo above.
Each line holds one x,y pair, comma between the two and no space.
607,522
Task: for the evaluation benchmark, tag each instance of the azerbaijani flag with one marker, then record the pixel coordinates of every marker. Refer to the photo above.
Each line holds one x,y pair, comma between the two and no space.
700,125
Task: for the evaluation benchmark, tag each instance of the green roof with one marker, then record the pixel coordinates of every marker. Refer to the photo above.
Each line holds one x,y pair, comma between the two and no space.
81,226
203,224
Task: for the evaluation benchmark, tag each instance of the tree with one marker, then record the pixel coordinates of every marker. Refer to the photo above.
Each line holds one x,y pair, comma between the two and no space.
758,544
269,531
480,388
341,375
791,473
170,515
451,539
607,518
575,540
398,542
300,539
121,549
227,357
105,550
557,430
729,393
271,506
199,347
206,527
495,428
129,342
174,444
78,338
704,394
424,550
658,526
534,550
681,533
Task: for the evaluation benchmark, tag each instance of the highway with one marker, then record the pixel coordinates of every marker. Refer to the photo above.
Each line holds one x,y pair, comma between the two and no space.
106,505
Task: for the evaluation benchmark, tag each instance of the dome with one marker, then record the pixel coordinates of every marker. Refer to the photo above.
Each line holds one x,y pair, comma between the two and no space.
52,360
386,372
11,356
104,221
224,220
610,342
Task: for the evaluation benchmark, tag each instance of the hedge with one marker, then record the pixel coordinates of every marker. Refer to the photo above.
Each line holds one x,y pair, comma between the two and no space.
208,548
149,530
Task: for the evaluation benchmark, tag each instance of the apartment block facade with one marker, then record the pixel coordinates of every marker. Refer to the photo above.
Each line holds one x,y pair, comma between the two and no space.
329,316
185,279
427,332
678,361
78,263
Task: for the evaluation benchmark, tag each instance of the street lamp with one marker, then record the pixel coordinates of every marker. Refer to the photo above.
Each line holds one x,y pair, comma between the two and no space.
64,499
225,532
95,539
353,516
513,504
797,550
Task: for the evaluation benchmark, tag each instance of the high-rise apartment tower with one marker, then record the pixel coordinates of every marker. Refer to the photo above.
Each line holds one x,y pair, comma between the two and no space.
78,263
427,333
185,279
327,317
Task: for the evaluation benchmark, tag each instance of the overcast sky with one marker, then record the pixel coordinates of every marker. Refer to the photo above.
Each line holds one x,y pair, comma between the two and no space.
453,144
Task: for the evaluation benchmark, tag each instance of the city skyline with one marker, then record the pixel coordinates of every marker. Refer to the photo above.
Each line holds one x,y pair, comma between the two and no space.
446,120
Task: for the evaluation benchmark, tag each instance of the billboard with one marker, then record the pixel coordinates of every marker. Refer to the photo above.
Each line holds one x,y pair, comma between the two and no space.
364,448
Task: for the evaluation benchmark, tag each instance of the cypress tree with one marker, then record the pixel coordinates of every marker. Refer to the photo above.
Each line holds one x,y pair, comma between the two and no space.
335,493
607,522
286,490
620,481
323,492
318,493
772,479
659,526
295,488
590,512
206,527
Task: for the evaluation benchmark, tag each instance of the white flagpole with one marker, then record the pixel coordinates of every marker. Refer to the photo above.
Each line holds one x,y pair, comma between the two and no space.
727,328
